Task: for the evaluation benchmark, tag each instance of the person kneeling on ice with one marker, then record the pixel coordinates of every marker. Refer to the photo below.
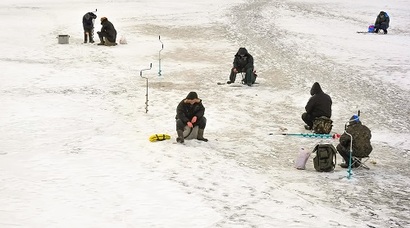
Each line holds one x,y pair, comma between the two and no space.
361,146
190,112
108,32
319,104
243,62
382,22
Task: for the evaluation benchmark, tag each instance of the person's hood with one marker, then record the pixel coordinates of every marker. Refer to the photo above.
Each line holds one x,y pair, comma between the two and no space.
242,51
383,13
315,89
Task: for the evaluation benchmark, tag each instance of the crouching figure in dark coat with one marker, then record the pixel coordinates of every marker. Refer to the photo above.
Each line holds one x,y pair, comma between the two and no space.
319,104
243,62
382,22
190,112
361,146
108,32
88,26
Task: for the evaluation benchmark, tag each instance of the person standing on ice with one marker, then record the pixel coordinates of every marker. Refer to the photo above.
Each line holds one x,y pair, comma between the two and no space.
382,22
243,62
190,112
361,146
319,104
108,32
88,25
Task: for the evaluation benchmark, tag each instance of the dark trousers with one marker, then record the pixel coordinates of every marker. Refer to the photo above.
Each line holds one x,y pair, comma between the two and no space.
344,152
89,35
308,119
101,35
380,26
201,123
249,76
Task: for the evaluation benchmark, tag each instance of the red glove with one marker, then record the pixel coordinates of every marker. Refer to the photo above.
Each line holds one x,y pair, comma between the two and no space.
190,124
336,136
194,119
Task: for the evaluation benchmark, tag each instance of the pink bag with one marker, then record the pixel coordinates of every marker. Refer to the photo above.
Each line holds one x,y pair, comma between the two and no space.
300,162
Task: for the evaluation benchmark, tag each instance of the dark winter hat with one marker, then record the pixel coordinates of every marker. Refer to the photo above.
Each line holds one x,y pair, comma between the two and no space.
192,95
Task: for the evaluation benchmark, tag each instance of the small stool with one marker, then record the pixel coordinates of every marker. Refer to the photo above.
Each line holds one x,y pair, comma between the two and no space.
358,162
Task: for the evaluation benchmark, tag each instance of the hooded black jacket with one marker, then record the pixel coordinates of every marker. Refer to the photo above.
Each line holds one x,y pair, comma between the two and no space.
88,20
109,29
385,20
320,104
245,61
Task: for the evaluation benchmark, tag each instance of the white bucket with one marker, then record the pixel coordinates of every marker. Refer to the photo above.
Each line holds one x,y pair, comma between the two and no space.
191,133
63,39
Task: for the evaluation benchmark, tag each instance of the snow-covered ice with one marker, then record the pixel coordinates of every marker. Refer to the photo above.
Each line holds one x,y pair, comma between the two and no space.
74,148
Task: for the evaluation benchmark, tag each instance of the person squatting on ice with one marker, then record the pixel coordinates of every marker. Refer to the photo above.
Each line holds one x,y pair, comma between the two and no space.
108,32
382,22
319,104
361,146
190,112
88,25
243,62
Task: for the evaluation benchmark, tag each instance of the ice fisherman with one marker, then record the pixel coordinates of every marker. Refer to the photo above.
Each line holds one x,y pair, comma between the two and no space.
361,146
319,104
382,22
108,32
190,112
243,62
88,25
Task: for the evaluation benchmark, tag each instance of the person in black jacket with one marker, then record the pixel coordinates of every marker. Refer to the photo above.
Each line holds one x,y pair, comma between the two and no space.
382,22
88,25
243,62
108,32
190,112
361,146
320,104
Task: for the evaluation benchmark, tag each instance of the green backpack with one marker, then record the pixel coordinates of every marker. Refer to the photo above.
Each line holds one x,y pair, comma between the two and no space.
325,160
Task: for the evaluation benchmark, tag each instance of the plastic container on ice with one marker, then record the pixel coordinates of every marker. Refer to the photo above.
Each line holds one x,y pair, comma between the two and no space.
63,39
300,162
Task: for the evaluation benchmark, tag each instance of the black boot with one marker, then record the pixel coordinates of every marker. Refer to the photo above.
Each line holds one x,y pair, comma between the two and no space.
85,37
180,138
101,40
101,43
201,135
91,35
344,165
91,38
